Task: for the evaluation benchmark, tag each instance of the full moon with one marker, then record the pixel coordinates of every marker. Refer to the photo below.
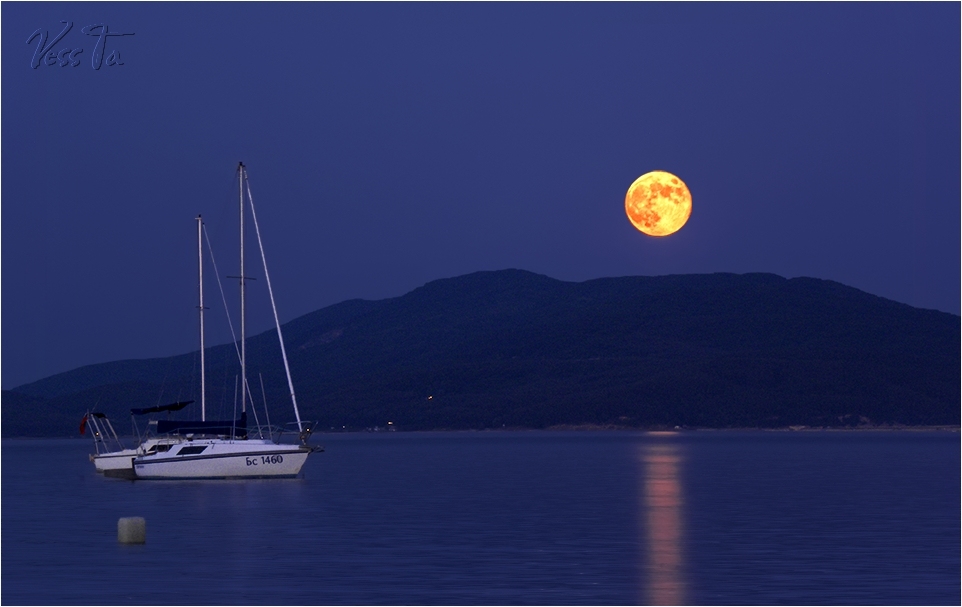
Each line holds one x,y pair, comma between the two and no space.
658,203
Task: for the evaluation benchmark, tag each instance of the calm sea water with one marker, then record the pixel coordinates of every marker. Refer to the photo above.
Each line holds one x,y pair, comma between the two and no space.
504,518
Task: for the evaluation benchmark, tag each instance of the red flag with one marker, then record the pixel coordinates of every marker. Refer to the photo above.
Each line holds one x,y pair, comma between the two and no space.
83,425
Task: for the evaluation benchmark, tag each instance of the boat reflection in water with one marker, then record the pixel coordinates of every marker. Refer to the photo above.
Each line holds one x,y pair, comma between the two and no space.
662,555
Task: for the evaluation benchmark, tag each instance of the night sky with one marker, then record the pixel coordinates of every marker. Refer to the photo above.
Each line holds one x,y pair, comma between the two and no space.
391,145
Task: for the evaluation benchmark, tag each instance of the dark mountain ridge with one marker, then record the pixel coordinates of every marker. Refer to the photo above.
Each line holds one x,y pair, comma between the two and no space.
516,349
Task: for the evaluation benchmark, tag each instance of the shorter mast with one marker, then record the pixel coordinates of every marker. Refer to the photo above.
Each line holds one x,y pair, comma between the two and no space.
200,288
243,297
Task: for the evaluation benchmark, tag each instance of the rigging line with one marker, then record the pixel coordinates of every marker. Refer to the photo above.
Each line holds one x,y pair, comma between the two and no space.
224,393
250,398
223,298
226,202
270,291
230,324
266,411
233,419
163,384
193,372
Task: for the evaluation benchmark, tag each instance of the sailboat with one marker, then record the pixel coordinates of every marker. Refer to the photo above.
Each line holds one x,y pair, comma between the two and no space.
204,449
112,457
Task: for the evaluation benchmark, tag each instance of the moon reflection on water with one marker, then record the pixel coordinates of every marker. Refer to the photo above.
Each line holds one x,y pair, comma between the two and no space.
663,559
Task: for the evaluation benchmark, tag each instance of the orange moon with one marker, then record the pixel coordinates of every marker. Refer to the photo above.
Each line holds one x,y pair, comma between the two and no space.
658,203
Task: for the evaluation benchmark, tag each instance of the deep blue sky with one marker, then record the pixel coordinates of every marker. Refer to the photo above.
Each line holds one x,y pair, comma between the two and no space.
391,145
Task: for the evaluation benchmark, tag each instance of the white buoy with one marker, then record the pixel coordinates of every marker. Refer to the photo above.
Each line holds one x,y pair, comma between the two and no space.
132,530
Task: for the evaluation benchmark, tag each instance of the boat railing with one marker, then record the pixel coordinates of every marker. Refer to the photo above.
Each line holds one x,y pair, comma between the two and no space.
288,433
303,432
104,435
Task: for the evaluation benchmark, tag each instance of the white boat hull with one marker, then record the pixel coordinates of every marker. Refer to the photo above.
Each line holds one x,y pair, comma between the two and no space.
222,459
120,464
117,463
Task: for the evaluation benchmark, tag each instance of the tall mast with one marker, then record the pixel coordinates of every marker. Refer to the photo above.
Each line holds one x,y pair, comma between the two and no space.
200,288
243,345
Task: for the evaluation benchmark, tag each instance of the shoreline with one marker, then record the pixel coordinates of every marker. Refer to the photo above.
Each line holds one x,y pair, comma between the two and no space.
597,428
